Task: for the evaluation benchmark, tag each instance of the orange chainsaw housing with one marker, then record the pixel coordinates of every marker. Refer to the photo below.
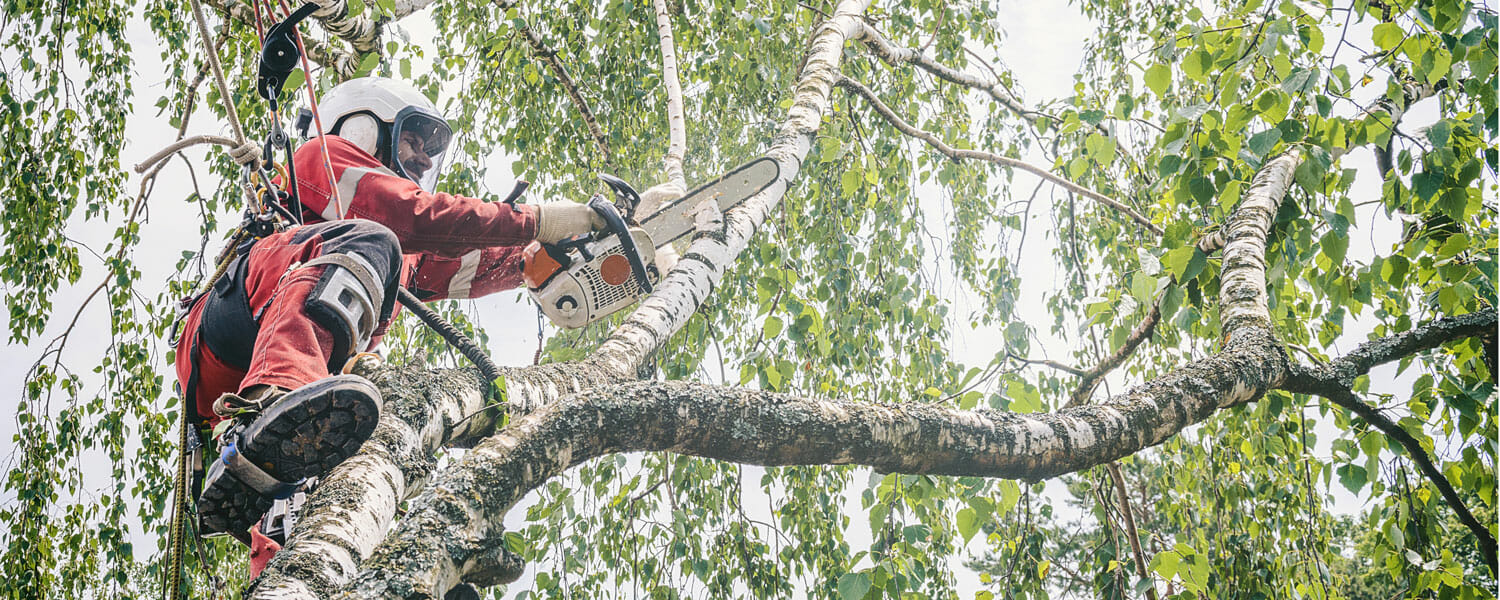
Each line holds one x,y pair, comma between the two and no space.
538,266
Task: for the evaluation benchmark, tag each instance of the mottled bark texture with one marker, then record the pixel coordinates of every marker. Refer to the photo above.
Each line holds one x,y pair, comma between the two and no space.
1335,380
353,508
458,517
325,53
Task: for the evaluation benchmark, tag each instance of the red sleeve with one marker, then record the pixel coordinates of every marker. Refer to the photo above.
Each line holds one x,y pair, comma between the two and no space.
478,273
429,223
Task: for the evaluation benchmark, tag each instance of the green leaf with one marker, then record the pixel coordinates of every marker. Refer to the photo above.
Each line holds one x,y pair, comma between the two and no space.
1353,477
1159,79
772,327
1334,246
1387,35
1202,189
1438,133
1262,143
1299,81
1197,65
1426,184
968,523
854,586
1010,494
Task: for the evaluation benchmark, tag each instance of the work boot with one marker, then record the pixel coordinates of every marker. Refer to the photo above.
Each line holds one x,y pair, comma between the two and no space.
278,440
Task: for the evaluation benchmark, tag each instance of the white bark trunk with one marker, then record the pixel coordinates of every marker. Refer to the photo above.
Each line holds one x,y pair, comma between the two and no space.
352,509
676,123
459,516
363,30
685,288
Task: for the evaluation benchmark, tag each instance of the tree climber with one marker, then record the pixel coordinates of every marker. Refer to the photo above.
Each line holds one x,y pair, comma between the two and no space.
258,349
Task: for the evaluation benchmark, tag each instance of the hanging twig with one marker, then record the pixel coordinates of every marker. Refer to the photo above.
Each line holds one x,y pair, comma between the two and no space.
549,58
960,154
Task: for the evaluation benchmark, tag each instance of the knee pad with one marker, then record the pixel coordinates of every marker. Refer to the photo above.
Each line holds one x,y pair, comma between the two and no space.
348,301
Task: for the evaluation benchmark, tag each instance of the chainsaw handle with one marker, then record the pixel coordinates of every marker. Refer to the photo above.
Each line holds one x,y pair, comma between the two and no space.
626,199
615,224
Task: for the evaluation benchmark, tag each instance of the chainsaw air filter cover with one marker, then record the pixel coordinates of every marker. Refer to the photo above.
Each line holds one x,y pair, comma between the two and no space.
573,290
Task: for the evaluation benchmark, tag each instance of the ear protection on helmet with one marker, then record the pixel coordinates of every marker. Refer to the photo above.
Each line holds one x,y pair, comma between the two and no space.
362,130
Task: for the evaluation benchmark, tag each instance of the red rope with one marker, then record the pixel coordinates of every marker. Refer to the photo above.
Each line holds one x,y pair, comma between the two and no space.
312,99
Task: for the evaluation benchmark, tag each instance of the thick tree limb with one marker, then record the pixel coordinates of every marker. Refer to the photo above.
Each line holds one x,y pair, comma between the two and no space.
548,56
353,507
323,53
1005,161
676,122
1333,381
458,516
1368,355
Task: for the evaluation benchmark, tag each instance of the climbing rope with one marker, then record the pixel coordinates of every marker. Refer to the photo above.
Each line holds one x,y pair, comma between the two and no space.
264,214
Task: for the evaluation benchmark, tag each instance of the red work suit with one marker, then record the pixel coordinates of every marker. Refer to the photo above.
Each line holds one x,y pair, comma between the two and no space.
449,247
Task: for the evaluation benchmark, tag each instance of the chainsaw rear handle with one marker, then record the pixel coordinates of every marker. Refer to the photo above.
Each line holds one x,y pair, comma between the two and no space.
616,225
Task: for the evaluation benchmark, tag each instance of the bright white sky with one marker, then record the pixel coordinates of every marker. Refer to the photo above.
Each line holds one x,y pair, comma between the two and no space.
1042,47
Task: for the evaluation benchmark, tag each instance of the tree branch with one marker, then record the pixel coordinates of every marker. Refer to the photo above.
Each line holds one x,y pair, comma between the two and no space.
1368,355
894,55
1130,531
460,514
1005,161
361,31
1090,379
324,53
352,508
763,428
549,58
676,122
178,145
1333,381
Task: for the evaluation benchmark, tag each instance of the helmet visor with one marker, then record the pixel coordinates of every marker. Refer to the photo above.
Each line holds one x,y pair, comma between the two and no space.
419,141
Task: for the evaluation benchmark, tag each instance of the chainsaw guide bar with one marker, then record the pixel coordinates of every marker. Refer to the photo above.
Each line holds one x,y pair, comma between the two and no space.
675,220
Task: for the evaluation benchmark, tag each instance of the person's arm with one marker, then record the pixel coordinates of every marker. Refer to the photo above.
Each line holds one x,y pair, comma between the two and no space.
477,273
430,223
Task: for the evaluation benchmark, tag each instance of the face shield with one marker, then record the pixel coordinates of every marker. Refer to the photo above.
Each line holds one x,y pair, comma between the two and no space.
419,141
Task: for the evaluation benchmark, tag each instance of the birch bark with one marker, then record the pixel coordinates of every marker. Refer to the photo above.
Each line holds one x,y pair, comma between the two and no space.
455,524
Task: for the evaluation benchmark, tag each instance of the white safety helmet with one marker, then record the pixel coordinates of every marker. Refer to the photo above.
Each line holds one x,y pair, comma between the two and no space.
376,112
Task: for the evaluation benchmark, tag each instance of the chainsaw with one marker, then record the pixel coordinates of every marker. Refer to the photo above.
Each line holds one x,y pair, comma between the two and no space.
585,278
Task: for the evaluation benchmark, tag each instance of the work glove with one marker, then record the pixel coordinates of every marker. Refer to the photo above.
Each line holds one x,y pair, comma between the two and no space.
558,221
656,197
653,200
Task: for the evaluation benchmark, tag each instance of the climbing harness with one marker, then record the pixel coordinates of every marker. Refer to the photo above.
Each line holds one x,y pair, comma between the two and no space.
272,205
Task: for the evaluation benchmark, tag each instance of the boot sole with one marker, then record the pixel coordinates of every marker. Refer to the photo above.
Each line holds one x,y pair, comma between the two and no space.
306,434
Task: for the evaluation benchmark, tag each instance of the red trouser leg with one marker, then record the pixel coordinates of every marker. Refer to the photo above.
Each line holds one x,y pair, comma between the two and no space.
292,349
